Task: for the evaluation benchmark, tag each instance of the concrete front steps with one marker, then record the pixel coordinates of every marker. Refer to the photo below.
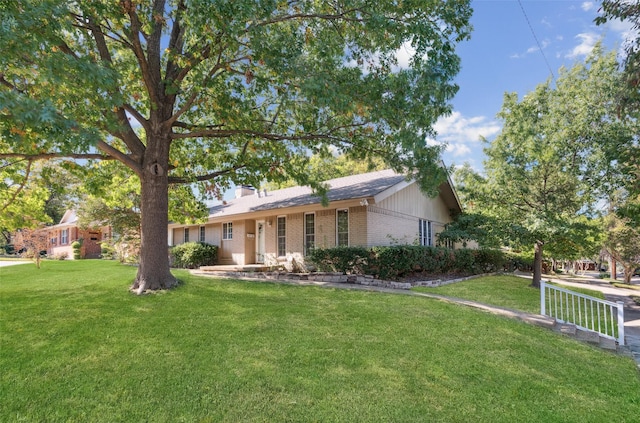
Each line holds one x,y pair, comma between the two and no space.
590,337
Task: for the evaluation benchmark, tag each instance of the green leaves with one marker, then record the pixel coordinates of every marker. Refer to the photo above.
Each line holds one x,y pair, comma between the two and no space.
222,92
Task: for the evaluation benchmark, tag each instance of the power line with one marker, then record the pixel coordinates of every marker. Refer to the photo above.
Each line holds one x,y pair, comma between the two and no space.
553,77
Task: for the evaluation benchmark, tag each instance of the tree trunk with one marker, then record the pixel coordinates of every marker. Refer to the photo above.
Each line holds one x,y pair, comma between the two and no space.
628,272
153,273
614,270
537,264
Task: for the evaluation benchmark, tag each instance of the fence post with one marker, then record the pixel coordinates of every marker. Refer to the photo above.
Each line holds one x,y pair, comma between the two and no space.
543,289
620,322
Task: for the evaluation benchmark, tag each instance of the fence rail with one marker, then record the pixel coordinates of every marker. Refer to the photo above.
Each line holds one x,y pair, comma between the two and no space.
587,313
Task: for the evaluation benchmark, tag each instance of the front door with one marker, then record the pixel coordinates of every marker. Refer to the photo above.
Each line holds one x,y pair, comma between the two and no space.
260,241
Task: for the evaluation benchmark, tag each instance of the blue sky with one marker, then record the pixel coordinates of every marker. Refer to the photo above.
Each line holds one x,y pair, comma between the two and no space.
503,56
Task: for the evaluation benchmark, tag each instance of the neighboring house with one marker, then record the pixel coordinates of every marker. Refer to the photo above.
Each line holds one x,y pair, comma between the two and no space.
62,235
372,209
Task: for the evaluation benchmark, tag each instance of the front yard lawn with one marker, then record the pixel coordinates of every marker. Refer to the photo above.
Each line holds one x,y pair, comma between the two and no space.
76,346
501,290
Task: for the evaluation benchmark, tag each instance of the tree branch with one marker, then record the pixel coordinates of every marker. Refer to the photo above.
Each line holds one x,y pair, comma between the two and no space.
120,156
219,133
20,188
176,42
207,177
147,74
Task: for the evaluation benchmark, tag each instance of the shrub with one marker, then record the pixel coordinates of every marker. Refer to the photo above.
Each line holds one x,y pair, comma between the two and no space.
107,251
345,260
396,261
465,261
518,261
193,254
7,249
488,260
77,249
62,255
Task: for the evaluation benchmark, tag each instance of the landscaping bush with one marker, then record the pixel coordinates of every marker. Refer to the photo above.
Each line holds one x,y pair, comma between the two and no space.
62,256
465,261
397,261
488,260
346,260
191,255
518,261
107,251
7,249
77,249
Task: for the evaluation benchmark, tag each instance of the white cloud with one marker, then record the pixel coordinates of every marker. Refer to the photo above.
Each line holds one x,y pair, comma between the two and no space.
587,41
587,6
458,150
458,131
533,49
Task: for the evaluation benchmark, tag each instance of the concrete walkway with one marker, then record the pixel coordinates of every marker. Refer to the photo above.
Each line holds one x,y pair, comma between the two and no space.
534,319
5,263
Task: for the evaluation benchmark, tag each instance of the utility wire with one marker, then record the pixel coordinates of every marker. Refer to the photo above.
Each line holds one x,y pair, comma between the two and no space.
553,77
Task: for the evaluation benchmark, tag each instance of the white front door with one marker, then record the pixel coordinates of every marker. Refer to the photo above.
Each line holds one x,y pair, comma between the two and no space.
260,241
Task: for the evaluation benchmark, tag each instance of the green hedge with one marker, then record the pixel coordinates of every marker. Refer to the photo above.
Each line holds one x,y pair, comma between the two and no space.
518,261
191,255
397,261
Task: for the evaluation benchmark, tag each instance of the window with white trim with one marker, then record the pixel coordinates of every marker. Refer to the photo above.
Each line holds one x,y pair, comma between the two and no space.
186,234
309,232
342,228
227,231
202,234
64,236
425,232
282,236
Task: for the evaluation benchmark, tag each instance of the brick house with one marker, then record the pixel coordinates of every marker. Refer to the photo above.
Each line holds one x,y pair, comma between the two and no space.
62,235
372,209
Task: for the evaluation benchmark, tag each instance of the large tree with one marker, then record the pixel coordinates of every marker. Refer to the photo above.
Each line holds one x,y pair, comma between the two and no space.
626,11
552,161
622,242
225,91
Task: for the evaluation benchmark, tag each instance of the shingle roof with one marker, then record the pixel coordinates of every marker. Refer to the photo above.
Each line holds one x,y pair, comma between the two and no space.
350,187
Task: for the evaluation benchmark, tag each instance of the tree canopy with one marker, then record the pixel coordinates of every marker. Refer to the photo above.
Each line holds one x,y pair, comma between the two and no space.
214,93
561,150
626,11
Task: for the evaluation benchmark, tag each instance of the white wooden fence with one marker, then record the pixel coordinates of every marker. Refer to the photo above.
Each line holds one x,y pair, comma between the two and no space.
587,313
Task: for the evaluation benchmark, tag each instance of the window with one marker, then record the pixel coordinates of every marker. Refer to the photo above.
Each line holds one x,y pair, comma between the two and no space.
202,233
227,230
425,233
282,236
64,236
186,234
309,232
54,241
342,224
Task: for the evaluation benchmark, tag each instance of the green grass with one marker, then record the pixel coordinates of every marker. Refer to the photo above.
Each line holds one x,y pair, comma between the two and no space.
625,286
502,290
76,346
